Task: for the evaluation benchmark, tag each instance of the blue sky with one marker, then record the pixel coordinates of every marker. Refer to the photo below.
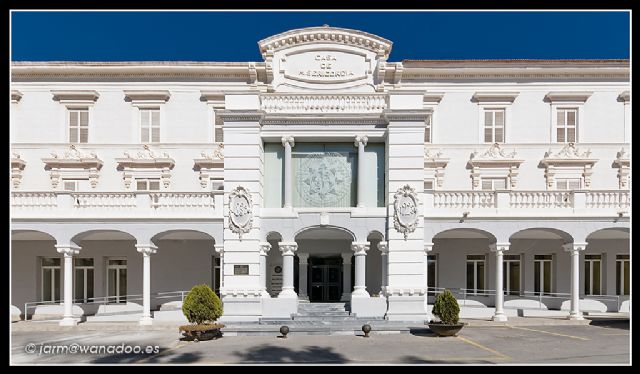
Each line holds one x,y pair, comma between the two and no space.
233,36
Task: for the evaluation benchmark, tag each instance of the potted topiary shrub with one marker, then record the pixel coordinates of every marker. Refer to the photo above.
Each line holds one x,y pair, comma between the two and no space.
446,308
202,307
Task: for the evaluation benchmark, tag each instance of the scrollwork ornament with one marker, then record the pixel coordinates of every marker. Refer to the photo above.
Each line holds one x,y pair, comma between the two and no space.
240,211
405,216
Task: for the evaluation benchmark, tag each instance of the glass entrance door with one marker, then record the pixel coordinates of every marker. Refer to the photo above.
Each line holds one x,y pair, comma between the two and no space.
325,282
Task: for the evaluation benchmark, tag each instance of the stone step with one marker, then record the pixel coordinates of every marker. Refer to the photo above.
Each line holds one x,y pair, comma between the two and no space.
324,318
323,313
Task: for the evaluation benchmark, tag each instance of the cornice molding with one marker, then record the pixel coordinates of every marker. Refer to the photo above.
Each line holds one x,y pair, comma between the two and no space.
214,98
572,96
324,119
624,97
146,95
62,96
325,34
432,98
145,158
407,115
15,96
494,97
568,153
228,115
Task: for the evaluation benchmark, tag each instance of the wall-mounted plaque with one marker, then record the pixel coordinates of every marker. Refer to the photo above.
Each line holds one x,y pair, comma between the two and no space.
405,217
240,269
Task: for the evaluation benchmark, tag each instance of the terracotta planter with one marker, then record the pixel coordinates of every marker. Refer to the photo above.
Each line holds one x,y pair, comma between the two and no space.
197,333
441,329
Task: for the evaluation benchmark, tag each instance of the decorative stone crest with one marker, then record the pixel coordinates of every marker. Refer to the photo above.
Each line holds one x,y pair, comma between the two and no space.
622,162
75,163
568,159
494,158
17,165
323,179
146,159
405,216
240,211
211,166
569,151
434,165
494,152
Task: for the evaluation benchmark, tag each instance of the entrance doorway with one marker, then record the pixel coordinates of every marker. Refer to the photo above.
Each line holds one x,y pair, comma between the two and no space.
326,279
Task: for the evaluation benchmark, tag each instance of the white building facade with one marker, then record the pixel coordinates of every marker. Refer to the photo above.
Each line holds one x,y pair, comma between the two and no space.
323,173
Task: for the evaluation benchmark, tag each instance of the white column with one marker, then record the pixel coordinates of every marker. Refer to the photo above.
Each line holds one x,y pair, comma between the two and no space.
499,249
361,142
302,276
147,250
219,248
360,252
264,248
69,250
574,249
288,143
288,251
346,276
428,247
384,250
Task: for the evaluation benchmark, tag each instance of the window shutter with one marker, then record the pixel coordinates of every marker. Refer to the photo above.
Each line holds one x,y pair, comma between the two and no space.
154,185
488,118
571,118
560,133
561,118
500,118
486,184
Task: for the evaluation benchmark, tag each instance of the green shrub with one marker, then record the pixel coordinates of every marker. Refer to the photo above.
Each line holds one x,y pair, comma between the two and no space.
202,305
446,308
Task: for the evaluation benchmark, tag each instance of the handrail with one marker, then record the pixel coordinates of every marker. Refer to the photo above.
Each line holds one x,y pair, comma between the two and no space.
107,299
523,294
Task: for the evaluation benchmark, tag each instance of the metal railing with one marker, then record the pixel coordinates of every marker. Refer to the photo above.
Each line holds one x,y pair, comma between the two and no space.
108,300
465,292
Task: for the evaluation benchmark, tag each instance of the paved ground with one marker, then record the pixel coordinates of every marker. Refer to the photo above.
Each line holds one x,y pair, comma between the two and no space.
604,341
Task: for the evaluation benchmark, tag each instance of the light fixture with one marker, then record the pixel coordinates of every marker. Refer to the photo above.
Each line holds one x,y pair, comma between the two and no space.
464,215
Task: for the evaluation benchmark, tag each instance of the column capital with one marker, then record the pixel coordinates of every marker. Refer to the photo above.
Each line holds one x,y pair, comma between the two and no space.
219,248
346,257
288,248
574,248
68,249
263,248
303,258
287,139
146,249
428,247
361,139
383,247
499,247
360,249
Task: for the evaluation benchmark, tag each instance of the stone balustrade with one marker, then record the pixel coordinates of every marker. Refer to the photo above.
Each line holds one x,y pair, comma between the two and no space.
525,203
334,103
35,204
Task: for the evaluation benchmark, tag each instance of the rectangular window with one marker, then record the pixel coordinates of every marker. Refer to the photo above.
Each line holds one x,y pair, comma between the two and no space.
622,274
432,273
83,280
428,184
492,184
75,185
149,125
427,130
148,184
511,274
475,274
567,125
217,130
592,275
542,274
117,281
216,275
568,184
78,125
494,125
50,276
